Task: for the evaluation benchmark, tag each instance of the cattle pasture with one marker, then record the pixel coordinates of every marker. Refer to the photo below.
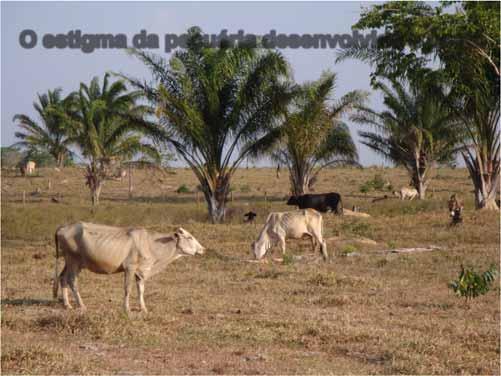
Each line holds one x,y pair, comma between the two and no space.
364,312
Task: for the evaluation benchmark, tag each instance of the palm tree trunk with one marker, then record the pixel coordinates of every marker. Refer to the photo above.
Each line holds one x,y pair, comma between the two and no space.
486,192
216,209
95,181
216,198
419,175
60,160
95,194
299,181
485,181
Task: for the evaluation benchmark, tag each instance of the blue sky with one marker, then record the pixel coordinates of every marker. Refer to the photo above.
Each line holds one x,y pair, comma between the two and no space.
26,72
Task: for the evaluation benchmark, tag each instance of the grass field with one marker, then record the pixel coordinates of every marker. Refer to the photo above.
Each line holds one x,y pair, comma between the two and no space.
219,314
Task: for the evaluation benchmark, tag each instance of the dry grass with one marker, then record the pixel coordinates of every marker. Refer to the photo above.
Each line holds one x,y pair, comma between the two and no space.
218,314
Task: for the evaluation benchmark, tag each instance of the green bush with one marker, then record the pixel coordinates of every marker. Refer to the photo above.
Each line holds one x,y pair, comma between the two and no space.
347,249
288,259
378,183
183,189
471,284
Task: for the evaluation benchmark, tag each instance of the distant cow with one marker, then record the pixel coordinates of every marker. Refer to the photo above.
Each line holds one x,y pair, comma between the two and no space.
406,193
455,209
321,202
122,173
27,168
138,253
290,225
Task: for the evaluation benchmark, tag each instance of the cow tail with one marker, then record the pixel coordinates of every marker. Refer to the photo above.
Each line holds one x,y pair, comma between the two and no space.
55,285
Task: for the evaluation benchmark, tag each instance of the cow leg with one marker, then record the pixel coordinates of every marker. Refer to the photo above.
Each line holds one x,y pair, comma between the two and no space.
64,288
281,243
72,281
323,245
58,282
313,243
127,287
140,293
323,248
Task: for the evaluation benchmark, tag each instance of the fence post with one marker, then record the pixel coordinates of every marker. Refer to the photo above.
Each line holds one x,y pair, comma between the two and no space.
265,199
130,180
49,185
24,198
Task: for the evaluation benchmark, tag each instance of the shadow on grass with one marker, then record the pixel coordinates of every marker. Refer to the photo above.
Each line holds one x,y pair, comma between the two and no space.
29,302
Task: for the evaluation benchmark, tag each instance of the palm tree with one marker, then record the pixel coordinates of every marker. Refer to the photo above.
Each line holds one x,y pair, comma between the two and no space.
51,133
217,105
416,131
314,136
479,115
108,125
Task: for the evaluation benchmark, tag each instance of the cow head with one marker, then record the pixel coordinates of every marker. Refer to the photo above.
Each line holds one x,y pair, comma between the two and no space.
293,200
187,243
258,249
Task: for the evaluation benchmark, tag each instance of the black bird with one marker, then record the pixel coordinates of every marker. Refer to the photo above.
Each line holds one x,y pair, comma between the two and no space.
250,216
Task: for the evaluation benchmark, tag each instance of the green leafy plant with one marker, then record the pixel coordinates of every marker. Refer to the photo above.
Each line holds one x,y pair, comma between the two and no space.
392,245
183,189
471,284
287,259
348,249
378,183
365,188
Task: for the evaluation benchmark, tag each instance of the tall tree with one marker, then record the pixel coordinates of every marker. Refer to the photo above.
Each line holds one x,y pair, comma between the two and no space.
108,124
466,42
50,134
217,105
480,115
314,135
417,130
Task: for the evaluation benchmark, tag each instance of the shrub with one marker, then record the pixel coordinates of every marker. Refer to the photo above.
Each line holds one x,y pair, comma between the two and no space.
288,259
347,249
183,189
471,284
362,229
378,183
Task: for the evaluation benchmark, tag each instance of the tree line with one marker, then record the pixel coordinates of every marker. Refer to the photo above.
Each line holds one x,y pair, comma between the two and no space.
216,107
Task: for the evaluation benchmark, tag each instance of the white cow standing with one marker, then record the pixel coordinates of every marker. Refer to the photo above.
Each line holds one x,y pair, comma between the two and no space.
290,225
27,168
406,193
136,252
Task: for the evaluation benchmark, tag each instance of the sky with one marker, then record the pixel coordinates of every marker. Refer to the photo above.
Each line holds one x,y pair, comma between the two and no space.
26,72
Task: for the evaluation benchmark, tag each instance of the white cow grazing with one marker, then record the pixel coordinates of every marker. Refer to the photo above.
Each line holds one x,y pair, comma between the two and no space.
136,252
406,193
290,225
